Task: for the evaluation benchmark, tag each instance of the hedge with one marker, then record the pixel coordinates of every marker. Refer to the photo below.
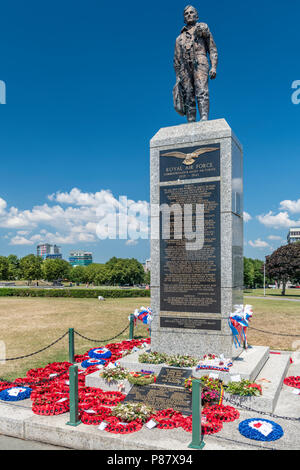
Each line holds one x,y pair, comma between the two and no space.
74,293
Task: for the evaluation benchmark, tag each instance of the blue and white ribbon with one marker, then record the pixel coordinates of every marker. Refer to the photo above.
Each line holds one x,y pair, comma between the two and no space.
239,322
144,314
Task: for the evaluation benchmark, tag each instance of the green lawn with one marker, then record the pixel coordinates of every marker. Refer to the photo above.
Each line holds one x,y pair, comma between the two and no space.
293,293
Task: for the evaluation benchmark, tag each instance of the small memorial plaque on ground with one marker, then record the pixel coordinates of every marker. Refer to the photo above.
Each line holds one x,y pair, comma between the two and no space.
173,376
161,397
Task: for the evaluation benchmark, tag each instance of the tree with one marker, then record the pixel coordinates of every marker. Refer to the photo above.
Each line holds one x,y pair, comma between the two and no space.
31,267
78,274
55,269
14,267
248,272
284,264
4,268
123,271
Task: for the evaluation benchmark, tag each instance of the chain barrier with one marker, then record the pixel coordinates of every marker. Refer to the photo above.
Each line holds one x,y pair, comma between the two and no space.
37,352
101,340
265,413
272,333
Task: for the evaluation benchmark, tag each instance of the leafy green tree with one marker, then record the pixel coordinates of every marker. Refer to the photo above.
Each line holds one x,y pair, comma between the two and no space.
258,266
147,278
103,276
31,267
78,274
4,268
248,272
14,267
283,264
125,271
93,271
55,269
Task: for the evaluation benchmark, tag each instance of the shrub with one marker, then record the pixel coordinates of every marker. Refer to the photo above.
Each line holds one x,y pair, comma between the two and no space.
75,293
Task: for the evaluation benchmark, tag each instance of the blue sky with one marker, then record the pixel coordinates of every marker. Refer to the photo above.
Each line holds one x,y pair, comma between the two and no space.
88,85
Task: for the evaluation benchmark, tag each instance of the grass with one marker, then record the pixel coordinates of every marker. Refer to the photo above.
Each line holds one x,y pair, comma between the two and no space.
29,324
277,316
292,293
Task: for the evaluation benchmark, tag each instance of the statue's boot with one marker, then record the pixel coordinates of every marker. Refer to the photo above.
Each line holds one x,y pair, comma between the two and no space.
191,115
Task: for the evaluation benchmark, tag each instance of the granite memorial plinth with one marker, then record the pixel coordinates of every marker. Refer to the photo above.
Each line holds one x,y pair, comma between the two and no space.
196,237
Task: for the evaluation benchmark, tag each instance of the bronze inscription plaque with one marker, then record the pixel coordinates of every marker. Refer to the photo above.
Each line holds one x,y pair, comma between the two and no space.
161,397
190,323
185,163
190,279
173,376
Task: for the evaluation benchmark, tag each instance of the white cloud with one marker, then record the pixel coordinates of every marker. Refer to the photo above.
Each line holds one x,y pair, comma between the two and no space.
131,242
3,205
74,217
274,237
247,217
259,243
280,220
290,206
18,240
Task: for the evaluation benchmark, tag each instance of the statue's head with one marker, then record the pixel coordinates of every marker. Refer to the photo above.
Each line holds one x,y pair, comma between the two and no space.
190,15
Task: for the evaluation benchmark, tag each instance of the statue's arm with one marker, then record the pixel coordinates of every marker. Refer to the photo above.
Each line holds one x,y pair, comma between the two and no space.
213,54
177,60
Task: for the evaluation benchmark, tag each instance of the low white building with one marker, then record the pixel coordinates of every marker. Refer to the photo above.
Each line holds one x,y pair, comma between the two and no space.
294,235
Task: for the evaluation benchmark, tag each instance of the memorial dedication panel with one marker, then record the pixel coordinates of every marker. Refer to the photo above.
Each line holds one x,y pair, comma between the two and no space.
185,163
190,277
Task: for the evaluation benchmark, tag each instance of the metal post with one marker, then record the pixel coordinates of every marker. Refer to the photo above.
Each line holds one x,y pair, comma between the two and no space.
131,326
265,278
73,393
71,345
197,437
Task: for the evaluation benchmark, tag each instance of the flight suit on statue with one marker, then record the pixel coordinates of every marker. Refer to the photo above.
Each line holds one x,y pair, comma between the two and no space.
192,69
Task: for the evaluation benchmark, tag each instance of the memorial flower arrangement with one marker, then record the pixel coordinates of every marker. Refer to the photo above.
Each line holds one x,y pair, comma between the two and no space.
244,388
141,378
213,362
181,361
129,412
153,358
175,360
112,375
211,390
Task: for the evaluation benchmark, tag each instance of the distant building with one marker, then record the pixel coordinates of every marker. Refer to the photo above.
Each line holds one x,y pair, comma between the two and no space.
293,235
147,265
47,251
80,258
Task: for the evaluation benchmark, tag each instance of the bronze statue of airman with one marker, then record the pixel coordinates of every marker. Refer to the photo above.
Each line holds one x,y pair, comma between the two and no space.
193,46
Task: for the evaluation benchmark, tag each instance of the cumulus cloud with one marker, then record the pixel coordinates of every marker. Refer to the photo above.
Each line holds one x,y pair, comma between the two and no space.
247,217
290,206
73,217
280,220
274,237
259,243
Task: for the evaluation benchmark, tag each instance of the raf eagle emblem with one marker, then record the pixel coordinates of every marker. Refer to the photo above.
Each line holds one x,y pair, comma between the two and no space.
189,158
